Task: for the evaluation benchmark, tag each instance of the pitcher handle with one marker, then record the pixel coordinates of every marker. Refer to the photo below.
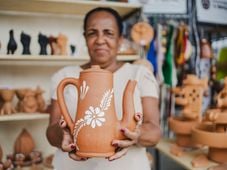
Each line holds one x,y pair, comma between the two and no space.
61,100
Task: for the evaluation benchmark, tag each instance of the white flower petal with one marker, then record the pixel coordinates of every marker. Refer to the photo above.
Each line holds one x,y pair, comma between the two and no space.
87,117
88,121
101,119
93,123
88,112
92,109
97,110
98,123
100,114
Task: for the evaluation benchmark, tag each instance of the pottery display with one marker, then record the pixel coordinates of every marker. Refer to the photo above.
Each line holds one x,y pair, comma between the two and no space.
53,45
212,130
20,93
190,96
25,40
40,100
96,123
12,45
7,97
29,102
43,42
62,44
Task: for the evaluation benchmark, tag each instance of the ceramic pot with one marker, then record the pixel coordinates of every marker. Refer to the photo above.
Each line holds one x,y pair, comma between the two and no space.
7,97
96,123
182,129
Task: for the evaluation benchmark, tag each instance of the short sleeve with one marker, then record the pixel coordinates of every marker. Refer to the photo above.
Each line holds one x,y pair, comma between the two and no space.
147,83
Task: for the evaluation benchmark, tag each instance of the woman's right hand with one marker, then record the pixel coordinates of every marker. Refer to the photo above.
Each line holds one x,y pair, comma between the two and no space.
67,142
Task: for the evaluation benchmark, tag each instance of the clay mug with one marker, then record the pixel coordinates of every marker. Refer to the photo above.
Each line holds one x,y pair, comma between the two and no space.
96,123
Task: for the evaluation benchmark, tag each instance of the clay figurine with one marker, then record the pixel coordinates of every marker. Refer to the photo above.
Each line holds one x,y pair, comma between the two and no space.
40,100
7,97
43,42
212,130
96,115
20,93
25,40
53,45
62,44
29,102
73,49
12,45
190,96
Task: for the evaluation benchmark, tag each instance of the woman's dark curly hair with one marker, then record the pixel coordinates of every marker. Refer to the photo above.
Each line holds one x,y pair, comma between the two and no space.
108,10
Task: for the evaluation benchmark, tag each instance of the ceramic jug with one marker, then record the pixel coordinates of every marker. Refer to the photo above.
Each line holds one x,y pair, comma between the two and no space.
96,123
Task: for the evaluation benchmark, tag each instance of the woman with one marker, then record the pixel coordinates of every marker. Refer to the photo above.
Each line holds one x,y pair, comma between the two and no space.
103,35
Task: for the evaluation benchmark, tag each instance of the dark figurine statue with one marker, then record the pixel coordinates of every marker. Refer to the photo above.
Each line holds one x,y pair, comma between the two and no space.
73,49
12,45
43,42
53,44
25,40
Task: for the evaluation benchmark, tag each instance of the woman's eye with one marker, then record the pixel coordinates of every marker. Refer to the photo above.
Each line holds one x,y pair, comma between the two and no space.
89,34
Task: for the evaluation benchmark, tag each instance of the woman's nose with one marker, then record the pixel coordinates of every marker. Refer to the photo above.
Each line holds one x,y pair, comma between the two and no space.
100,39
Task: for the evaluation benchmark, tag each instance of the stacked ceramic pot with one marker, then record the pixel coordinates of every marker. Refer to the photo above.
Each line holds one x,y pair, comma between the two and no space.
212,131
190,96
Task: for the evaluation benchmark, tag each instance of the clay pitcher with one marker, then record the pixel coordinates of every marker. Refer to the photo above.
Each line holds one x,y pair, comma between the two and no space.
96,123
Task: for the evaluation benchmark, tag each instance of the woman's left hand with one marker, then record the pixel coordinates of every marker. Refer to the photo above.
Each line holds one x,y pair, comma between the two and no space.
132,138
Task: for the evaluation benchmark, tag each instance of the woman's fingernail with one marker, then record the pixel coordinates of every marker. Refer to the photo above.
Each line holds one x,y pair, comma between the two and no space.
72,147
115,144
111,159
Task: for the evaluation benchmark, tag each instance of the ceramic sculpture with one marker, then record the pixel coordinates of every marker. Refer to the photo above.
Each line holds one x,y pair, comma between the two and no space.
25,40
190,96
12,45
213,129
43,42
96,123
7,97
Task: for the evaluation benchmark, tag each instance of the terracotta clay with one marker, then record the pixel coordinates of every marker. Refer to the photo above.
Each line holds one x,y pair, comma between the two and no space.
176,150
7,97
190,96
212,131
40,100
24,143
200,161
62,44
96,123
29,101
20,93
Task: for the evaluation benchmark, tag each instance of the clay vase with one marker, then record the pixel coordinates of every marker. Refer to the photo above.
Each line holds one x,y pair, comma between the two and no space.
20,93
24,143
96,123
25,40
7,97
12,45
43,42
53,45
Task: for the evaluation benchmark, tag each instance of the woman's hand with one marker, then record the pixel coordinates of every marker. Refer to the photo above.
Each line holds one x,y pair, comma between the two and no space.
67,142
122,146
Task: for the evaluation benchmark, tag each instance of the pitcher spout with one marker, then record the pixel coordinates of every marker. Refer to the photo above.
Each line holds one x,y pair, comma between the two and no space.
128,119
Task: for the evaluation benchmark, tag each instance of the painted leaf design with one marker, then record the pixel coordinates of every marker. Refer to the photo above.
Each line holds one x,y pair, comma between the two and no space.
79,124
106,99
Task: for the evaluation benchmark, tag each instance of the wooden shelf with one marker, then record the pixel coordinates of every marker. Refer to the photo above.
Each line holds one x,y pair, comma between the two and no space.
185,160
68,7
23,116
51,60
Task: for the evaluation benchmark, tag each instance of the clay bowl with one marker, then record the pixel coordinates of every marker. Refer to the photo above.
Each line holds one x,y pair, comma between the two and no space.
182,129
205,134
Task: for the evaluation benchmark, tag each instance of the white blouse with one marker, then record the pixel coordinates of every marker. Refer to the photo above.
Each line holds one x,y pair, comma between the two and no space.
136,158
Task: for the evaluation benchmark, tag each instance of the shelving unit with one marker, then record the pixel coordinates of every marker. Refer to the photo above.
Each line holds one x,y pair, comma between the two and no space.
49,17
52,60
24,116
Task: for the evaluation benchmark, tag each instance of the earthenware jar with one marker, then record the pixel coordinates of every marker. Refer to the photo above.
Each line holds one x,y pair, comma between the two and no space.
96,123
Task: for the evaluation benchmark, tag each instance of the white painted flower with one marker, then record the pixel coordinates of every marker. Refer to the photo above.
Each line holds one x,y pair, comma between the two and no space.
94,117
83,90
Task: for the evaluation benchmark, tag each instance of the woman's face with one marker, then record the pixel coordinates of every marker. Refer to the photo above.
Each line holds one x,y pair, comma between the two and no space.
102,38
